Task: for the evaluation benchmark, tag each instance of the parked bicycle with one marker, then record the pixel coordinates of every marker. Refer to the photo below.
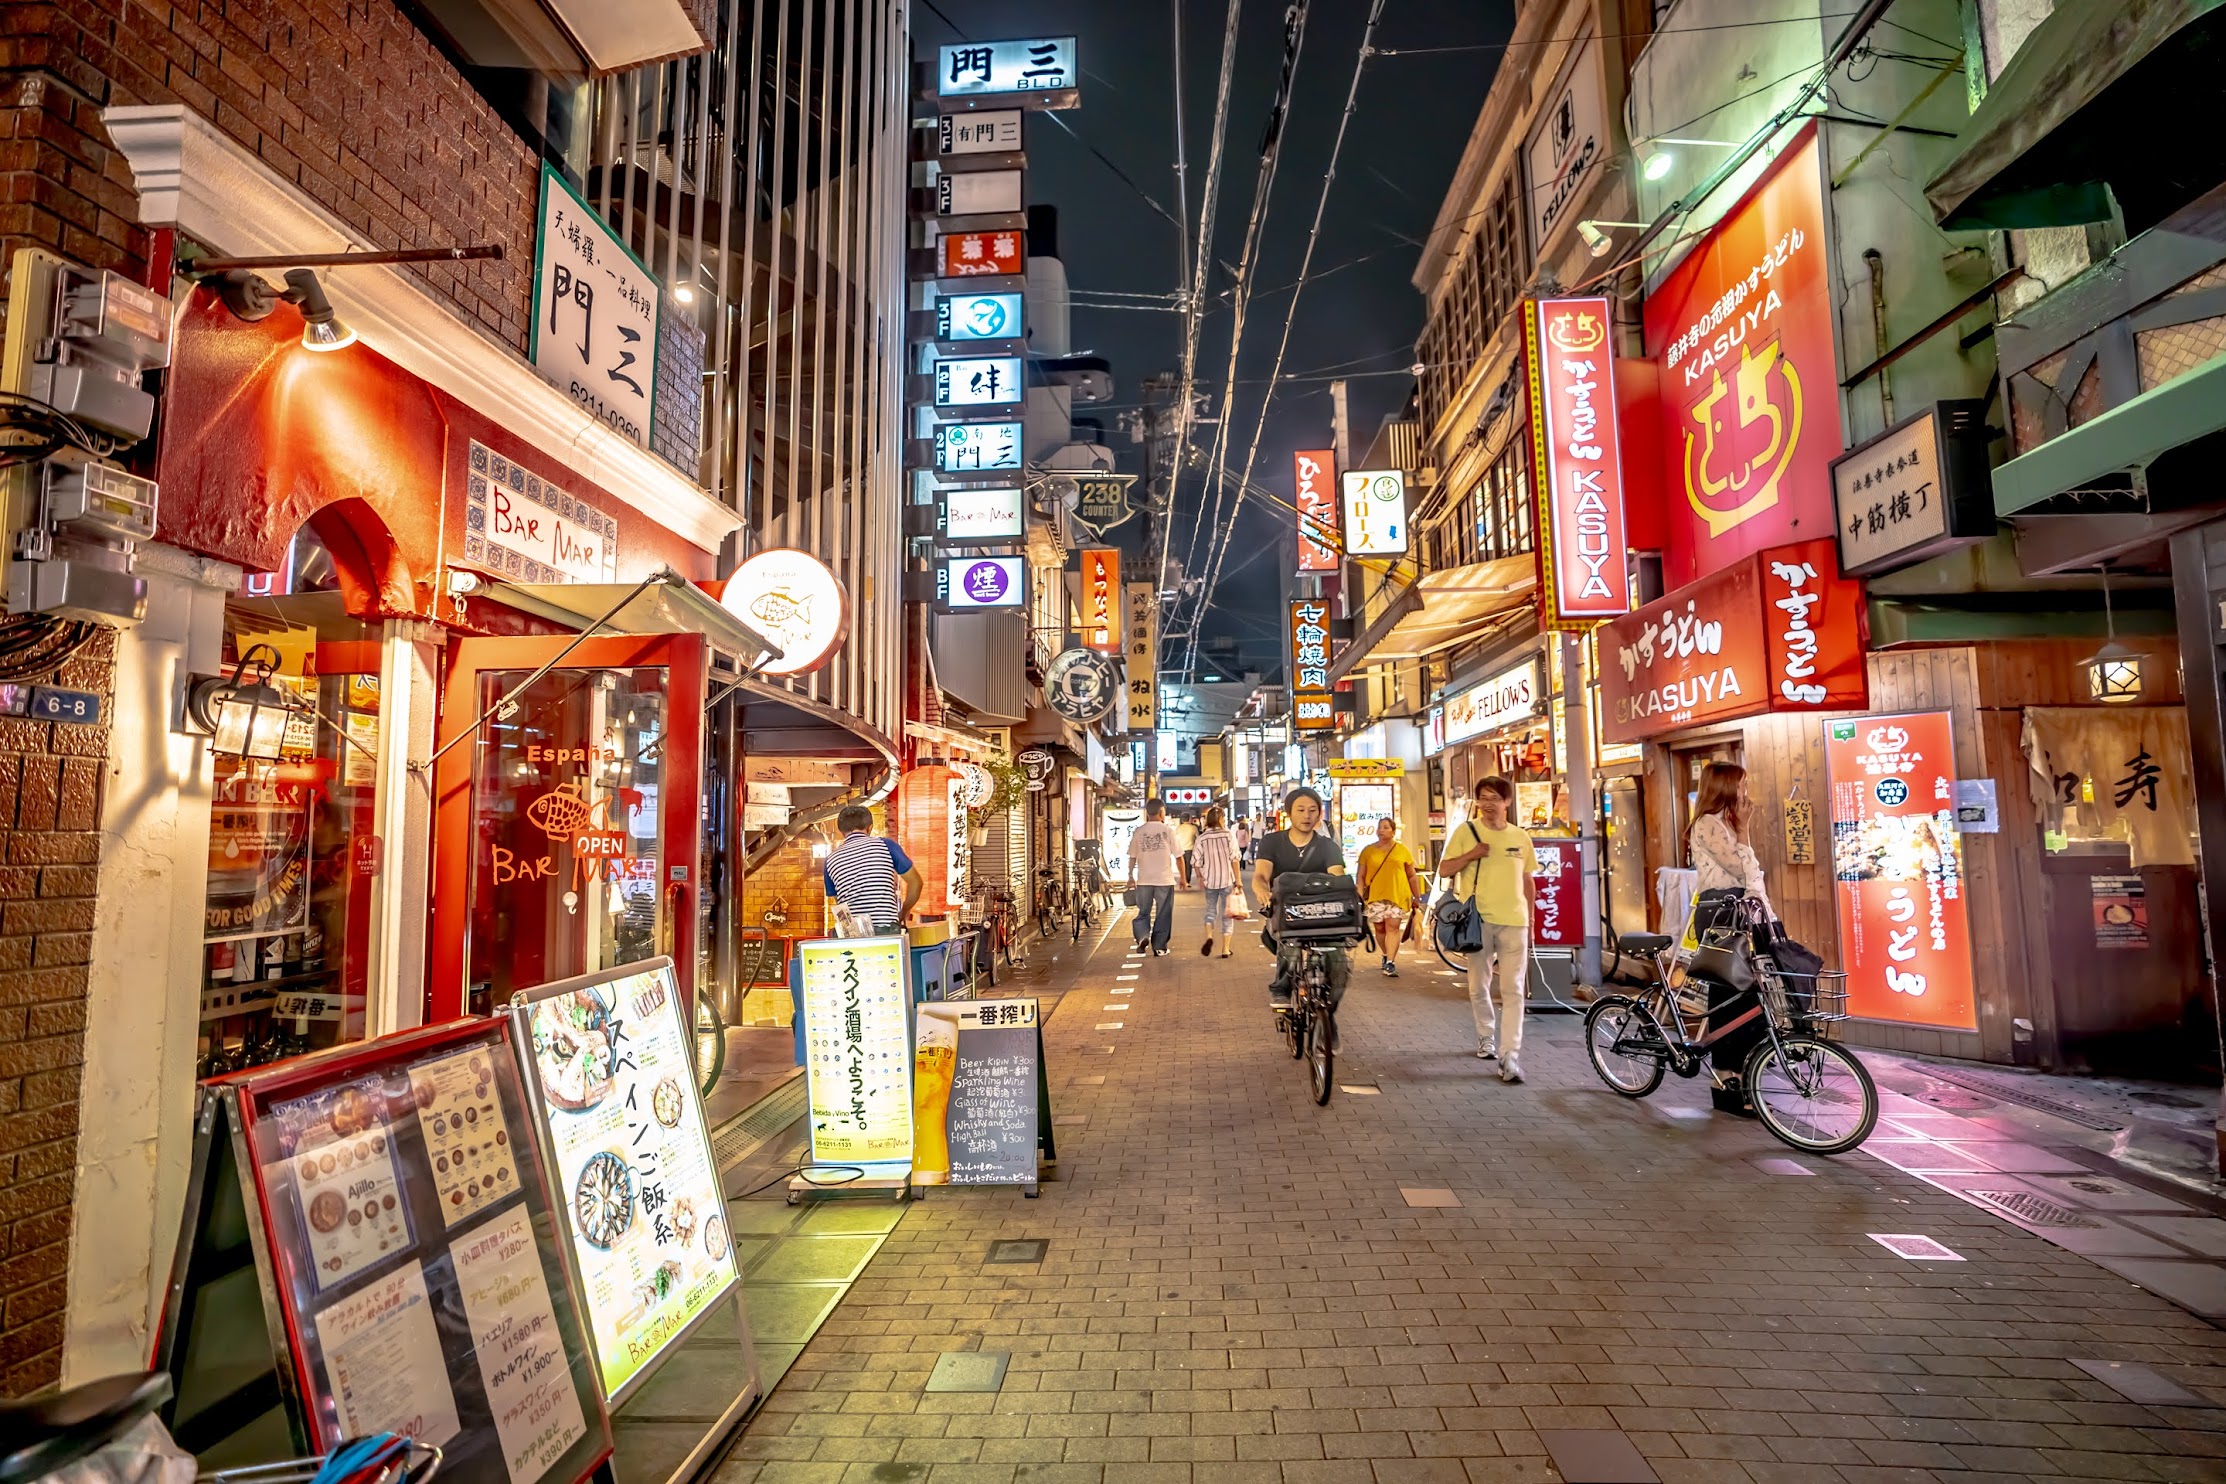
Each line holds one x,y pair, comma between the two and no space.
1807,1089
1051,899
1086,894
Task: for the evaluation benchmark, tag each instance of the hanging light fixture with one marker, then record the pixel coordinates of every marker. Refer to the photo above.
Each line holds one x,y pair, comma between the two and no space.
245,715
2113,671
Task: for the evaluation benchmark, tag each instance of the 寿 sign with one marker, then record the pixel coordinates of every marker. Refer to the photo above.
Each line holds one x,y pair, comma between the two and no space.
1315,474
1142,653
1309,645
1375,512
1101,599
982,254
594,334
1576,463
975,68
1897,870
1750,375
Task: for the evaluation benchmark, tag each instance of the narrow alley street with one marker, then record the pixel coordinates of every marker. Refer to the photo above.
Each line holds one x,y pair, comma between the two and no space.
1439,1277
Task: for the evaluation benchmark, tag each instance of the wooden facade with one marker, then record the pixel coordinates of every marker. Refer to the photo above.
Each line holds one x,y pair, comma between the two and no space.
2033,999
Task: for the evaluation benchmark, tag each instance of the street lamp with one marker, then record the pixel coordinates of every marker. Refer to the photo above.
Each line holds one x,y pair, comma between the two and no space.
2113,671
246,714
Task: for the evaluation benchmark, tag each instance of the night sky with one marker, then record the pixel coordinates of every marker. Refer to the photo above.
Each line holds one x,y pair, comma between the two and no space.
1413,118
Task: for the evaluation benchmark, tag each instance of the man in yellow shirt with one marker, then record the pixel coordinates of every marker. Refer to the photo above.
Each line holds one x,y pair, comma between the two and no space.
1389,885
1493,862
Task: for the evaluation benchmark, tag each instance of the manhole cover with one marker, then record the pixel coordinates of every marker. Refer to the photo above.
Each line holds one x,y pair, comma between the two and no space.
1017,1250
2034,1210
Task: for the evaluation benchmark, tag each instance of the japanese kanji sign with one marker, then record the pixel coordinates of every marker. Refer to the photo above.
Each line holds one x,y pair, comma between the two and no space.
1044,64
858,1051
1557,911
1897,870
1584,572
1375,512
1101,599
978,381
1312,706
972,448
595,309
1315,494
1141,648
1916,490
994,132
983,254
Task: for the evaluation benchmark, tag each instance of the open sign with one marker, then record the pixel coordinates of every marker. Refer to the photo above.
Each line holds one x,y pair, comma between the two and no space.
600,844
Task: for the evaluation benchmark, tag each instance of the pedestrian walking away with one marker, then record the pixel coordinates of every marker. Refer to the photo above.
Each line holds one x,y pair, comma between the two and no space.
863,873
1302,847
1216,853
1151,855
1389,888
1186,842
1492,863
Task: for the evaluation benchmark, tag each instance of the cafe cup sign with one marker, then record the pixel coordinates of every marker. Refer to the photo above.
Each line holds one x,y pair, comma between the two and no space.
795,601
1779,631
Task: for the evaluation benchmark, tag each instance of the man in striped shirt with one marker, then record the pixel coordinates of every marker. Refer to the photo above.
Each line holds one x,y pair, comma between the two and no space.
863,872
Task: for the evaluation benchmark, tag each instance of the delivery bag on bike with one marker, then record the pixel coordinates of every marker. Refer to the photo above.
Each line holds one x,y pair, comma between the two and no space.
1314,904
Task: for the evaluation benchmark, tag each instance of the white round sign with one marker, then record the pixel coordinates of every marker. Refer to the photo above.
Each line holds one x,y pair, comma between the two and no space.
792,599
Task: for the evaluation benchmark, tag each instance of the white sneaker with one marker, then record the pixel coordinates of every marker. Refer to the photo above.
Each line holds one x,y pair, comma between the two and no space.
1509,1071
1485,1053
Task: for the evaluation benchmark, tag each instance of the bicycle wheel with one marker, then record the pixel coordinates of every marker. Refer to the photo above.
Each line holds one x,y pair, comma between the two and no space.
711,1043
987,952
1625,1045
1294,1030
1321,1053
1812,1094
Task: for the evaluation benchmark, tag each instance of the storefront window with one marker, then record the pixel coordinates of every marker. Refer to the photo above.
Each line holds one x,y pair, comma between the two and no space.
567,855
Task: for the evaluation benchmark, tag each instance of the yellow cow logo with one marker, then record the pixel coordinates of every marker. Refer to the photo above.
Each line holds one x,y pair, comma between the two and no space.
1576,331
1732,475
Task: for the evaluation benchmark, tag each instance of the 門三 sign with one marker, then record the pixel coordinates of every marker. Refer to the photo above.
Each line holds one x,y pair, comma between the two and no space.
1916,490
991,133
595,306
1044,64
968,448
1576,463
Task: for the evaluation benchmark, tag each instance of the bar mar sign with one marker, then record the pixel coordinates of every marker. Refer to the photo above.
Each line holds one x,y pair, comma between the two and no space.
1584,574
1781,630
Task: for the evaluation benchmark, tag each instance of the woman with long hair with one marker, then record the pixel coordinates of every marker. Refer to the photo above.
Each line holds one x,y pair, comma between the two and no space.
1215,856
1724,863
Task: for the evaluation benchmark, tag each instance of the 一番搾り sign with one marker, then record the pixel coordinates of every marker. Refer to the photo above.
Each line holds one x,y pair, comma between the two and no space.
1742,331
1779,631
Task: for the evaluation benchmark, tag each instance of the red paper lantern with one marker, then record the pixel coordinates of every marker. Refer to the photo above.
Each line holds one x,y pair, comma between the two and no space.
924,826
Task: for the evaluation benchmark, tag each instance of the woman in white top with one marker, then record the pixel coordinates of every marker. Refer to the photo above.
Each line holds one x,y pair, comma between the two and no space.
1215,856
1724,860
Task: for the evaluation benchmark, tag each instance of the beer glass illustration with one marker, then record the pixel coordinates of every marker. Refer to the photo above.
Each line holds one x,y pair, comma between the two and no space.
934,1065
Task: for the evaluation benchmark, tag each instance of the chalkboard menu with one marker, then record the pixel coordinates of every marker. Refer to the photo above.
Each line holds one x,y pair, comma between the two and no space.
403,1245
979,1093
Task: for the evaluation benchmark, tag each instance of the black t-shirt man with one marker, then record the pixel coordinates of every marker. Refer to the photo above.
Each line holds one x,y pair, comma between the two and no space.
1278,853
1319,853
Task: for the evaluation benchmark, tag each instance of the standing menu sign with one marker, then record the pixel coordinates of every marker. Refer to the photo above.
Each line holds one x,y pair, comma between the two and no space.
979,1102
857,996
382,1207
615,1087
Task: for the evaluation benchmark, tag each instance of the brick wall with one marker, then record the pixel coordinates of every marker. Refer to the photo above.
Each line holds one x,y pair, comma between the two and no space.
349,101
794,878
50,792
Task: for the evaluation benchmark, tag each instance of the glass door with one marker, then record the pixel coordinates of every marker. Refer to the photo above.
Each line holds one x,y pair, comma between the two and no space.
569,821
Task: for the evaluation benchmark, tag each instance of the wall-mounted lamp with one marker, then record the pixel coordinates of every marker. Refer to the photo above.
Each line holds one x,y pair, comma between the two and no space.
1660,162
243,713
1594,236
252,297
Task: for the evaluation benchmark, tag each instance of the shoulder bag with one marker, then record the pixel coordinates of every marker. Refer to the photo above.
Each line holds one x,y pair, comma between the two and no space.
1459,927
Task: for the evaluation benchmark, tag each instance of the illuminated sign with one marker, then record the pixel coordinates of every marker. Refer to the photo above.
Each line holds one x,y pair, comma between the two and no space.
1313,471
1143,656
1576,463
1082,685
1557,905
978,193
971,69
1433,731
1375,512
1749,375
595,307
1101,599
1313,711
982,254
993,132
1495,705
794,600
1166,759
1897,870
965,448
858,1052
1366,767
1309,645
969,583
1916,490
1187,795
1119,827
978,317
985,381
983,513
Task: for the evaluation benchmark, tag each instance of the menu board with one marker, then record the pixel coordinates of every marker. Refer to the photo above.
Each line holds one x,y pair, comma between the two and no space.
411,1243
978,1094
858,1052
611,1060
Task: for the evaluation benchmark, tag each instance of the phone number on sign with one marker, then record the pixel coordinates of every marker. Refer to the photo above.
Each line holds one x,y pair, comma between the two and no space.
603,412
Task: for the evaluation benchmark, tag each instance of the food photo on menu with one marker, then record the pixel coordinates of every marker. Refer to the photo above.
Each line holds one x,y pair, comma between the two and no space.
340,1155
633,1164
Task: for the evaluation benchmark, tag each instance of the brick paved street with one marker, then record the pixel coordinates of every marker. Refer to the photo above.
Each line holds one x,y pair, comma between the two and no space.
1236,1291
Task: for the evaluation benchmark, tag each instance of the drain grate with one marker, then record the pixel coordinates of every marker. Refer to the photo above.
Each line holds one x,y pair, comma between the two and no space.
737,1140
2008,1091
2034,1210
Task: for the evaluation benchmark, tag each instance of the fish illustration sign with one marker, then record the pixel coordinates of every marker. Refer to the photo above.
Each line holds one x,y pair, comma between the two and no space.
794,600
1742,329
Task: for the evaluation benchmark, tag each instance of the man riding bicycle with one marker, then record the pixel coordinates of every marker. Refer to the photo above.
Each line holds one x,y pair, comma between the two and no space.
1302,847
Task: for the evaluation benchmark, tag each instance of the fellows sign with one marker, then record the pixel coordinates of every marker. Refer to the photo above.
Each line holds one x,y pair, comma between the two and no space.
1584,569
1498,703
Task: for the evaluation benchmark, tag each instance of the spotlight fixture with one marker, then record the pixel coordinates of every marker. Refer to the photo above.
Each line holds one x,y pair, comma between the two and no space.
251,297
1660,162
321,328
1596,240
684,292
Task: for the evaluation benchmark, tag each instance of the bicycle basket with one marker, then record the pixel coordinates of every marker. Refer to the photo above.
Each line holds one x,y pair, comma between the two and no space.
1814,999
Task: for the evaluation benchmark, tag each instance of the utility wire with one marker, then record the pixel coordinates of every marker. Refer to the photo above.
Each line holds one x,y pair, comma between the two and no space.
1306,262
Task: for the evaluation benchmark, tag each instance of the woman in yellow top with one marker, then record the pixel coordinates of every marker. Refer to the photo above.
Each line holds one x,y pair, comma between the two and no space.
1389,888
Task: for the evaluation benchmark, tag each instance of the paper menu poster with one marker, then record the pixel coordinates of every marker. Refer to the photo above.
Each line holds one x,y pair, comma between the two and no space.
342,1162
466,1137
383,1360
634,1165
520,1350
858,1051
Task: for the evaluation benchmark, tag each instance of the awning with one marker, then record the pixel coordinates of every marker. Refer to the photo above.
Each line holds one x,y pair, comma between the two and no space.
2128,436
674,606
2093,101
1441,610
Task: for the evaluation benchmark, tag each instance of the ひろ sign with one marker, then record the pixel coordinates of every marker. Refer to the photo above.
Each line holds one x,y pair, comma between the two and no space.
1742,330
1314,470
794,600
1584,571
1897,870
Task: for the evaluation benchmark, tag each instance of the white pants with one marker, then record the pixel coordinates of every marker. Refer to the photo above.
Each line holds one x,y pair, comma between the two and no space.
1505,958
